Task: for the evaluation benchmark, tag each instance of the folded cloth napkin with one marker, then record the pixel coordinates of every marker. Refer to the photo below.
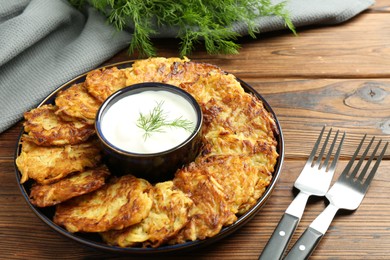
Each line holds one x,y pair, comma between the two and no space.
45,43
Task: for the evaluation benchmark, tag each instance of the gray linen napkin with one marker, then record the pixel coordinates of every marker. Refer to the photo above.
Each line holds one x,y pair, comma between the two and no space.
44,43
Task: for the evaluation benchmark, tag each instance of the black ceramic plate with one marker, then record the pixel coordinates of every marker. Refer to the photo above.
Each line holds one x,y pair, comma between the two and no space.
94,240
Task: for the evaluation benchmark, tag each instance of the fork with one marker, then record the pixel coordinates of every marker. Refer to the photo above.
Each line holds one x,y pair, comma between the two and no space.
347,193
315,180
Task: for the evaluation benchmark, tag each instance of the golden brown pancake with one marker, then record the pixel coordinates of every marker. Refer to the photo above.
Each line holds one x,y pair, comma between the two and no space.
210,211
238,177
235,122
152,70
49,164
168,215
122,202
45,128
101,83
76,102
190,72
72,186
214,85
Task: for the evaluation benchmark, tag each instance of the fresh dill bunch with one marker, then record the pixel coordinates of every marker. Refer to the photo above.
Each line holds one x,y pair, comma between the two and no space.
156,120
208,21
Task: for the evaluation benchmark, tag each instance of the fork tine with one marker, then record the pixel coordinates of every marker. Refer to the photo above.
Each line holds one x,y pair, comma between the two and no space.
374,169
330,150
365,169
321,154
362,158
313,152
336,156
350,163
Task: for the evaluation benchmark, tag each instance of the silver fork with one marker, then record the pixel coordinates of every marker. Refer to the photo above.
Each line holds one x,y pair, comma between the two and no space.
347,193
314,179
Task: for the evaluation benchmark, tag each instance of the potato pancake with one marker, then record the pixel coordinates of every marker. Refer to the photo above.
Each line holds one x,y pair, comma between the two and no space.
235,122
237,175
101,83
72,186
122,202
45,128
190,72
261,152
168,215
151,70
210,211
49,164
76,102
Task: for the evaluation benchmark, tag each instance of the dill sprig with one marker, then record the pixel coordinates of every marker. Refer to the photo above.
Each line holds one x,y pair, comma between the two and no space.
208,21
156,120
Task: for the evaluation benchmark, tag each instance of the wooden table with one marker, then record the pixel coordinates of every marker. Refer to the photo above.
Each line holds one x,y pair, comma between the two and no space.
333,75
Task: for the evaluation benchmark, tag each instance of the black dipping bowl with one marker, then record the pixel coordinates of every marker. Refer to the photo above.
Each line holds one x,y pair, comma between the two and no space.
95,241
154,167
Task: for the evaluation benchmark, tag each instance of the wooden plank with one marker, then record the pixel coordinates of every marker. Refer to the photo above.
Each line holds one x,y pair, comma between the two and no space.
303,106
351,49
382,6
342,51
8,141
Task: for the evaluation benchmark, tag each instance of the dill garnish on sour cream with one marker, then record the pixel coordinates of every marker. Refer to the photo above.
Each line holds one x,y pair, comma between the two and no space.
156,121
149,122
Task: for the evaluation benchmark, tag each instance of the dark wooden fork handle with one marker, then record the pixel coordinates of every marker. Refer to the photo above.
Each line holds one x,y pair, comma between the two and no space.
305,245
278,242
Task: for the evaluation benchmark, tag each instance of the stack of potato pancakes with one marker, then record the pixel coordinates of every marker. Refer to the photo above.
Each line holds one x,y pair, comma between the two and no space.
61,156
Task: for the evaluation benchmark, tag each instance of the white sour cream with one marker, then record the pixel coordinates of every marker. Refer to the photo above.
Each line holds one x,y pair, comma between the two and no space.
119,123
